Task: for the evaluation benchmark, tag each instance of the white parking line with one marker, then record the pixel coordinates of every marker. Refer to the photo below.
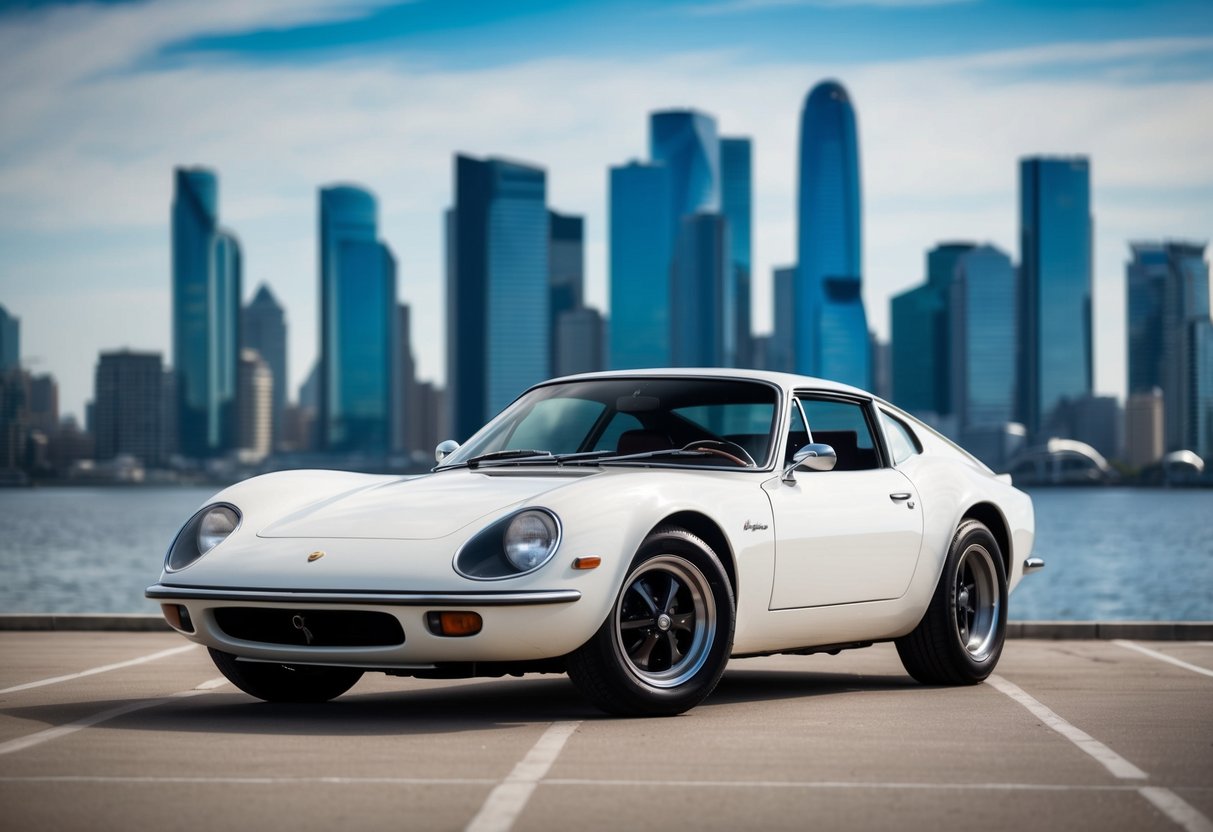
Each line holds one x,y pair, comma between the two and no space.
30,740
103,669
1109,759
1177,809
506,802
1163,657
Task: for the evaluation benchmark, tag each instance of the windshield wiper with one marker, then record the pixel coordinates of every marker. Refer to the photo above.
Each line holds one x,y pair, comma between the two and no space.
514,453
652,454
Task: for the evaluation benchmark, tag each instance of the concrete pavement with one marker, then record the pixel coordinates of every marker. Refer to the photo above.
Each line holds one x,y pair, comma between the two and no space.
1072,734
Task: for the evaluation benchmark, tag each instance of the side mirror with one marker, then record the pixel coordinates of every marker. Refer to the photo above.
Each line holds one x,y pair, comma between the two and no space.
811,457
445,448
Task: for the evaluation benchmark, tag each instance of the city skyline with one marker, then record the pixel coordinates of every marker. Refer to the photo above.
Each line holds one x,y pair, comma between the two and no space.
86,160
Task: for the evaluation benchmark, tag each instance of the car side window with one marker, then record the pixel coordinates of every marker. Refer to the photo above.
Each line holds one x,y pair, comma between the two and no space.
903,444
843,426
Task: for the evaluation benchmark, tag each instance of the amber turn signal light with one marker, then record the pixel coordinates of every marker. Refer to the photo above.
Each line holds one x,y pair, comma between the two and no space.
587,563
454,624
178,617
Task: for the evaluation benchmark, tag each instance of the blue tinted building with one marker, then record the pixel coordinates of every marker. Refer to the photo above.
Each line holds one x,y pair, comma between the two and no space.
566,272
781,350
358,325
498,323
736,174
10,341
832,328
686,142
263,328
641,246
703,327
982,339
206,316
1055,289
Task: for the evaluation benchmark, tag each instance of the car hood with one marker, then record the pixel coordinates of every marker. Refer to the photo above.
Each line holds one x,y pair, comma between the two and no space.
423,508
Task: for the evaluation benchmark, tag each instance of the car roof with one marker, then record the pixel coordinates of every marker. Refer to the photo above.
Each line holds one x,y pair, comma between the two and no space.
788,381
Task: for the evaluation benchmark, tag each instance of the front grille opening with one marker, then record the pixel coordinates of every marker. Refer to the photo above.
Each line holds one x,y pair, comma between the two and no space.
310,628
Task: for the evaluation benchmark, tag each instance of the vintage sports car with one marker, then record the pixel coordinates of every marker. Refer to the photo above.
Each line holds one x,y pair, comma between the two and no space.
633,529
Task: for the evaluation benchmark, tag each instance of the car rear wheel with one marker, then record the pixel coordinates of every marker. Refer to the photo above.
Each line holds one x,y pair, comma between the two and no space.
285,682
960,637
667,639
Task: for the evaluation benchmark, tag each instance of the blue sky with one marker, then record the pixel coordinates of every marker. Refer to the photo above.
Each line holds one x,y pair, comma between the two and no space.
102,100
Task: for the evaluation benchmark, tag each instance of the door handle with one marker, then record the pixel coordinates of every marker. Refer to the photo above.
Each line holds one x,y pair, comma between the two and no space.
899,496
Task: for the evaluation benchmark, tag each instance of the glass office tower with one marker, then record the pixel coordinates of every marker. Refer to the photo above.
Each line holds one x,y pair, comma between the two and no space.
781,352
703,325
358,325
982,339
263,328
686,142
10,341
641,245
566,272
498,325
736,174
206,316
832,328
1055,289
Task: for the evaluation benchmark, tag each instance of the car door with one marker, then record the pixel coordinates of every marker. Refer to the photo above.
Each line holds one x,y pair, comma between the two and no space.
848,535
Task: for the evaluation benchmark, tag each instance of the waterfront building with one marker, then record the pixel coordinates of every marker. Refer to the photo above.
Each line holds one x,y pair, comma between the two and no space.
832,327
263,328
580,340
703,326
686,142
1144,428
781,349
406,369
1168,313
736,195
206,316
256,406
566,272
357,380
882,370
498,326
1055,289
981,339
14,420
1096,420
44,404
127,406
641,245
10,340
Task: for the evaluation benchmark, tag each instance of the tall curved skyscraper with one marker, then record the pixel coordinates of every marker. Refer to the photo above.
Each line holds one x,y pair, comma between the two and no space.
831,326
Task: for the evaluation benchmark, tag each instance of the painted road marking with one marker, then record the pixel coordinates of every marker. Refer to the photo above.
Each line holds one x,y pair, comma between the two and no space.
506,802
103,669
30,740
1177,809
211,684
1162,657
1113,762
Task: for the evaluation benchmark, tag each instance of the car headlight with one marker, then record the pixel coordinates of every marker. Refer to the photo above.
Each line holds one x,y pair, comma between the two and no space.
201,533
530,540
511,546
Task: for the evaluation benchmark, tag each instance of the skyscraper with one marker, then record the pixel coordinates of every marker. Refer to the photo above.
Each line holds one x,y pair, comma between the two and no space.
703,324
566,270
736,174
498,326
1169,332
256,405
10,341
263,328
358,325
580,337
686,142
832,327
641,245
1055,289
206,316
781,352
981,338
127,406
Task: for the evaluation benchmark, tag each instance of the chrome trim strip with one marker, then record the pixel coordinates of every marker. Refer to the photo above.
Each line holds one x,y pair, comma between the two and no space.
1032,565
405,599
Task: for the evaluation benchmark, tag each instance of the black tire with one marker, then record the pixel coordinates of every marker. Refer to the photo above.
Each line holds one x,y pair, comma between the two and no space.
285,682
960,637
666,641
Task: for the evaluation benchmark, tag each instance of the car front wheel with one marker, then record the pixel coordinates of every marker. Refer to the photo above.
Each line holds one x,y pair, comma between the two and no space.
667,639
960,637
284,682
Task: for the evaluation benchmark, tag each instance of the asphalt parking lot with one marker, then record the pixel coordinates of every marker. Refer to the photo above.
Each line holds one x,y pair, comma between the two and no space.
137,730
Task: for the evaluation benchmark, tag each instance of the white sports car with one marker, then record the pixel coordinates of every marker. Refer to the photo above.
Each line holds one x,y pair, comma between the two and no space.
633,529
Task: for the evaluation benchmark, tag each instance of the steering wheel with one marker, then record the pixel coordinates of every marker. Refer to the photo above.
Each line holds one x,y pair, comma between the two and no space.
723,448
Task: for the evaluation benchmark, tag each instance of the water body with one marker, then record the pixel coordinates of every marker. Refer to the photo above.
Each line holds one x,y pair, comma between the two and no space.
1112,553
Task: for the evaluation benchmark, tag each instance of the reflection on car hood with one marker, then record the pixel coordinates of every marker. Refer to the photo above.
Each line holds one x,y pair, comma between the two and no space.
423,508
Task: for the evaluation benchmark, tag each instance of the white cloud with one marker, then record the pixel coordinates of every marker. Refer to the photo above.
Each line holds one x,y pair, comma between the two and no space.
91,148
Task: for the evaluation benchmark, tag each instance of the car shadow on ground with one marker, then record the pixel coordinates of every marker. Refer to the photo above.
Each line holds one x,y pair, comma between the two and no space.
436,708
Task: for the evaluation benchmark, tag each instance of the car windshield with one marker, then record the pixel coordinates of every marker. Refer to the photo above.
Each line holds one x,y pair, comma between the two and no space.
631,420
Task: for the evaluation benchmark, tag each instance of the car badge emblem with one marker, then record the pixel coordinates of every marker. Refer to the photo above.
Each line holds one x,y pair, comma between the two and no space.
300,623
753,527
315,556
